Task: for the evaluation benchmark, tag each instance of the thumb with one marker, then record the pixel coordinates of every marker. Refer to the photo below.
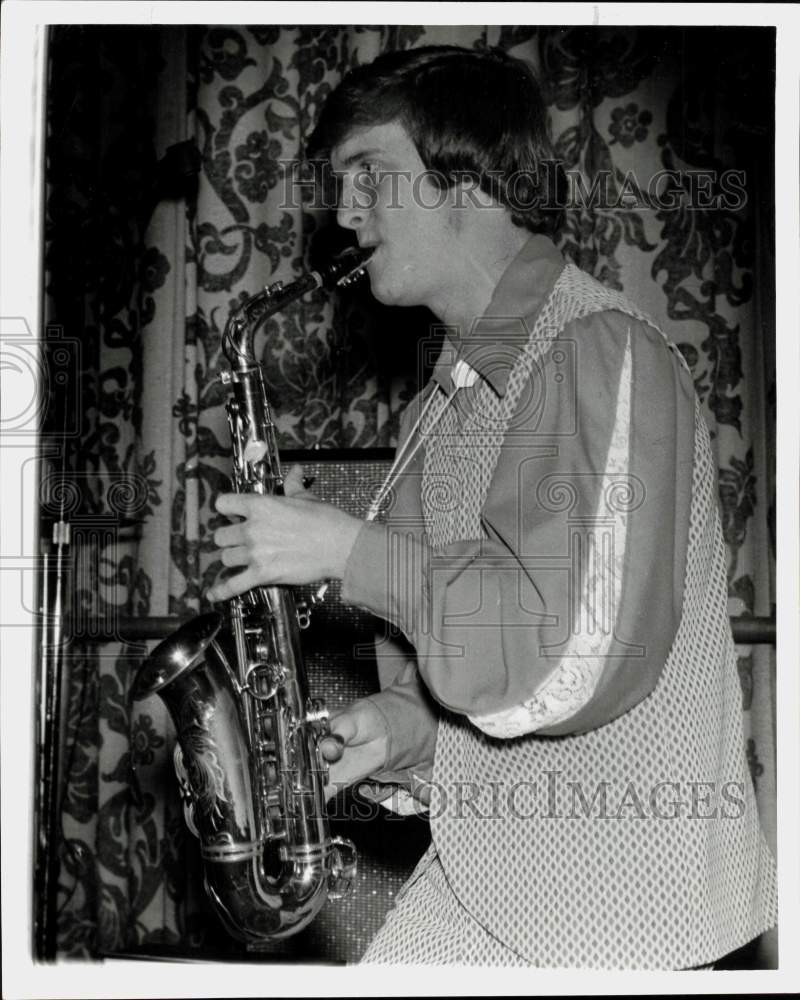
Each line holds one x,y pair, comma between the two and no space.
358,724
293,482
298,485
345,726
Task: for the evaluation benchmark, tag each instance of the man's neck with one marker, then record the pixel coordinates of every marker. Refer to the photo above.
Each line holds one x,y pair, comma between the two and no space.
478,266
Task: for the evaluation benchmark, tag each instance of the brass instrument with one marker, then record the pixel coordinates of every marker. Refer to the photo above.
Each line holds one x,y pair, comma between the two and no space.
248,759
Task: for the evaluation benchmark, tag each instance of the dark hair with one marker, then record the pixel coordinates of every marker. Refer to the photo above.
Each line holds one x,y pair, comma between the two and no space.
474,113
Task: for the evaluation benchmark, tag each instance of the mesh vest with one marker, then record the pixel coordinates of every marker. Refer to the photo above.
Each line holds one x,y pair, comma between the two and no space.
636,844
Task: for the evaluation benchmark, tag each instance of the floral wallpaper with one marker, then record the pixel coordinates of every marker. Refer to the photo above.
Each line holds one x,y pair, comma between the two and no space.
145,260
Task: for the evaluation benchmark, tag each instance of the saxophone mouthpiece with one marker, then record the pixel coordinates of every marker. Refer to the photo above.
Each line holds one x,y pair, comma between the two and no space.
346,268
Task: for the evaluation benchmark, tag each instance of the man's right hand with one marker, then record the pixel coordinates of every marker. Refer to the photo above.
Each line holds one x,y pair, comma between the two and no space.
361,728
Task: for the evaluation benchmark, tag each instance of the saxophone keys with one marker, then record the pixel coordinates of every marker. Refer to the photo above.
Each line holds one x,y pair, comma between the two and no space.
272,673
344,866
273,798
303,613
317,715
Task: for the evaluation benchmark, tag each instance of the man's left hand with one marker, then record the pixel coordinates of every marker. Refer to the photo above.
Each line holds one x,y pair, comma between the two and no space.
282,540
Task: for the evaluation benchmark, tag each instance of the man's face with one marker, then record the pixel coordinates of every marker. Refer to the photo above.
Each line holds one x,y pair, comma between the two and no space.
389,200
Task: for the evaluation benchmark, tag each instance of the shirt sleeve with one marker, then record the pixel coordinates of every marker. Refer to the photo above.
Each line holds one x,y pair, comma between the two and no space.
411,720
560,618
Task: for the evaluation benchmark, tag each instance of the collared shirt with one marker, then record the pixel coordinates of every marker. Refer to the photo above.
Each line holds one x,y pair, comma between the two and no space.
511,314
479,615
555,557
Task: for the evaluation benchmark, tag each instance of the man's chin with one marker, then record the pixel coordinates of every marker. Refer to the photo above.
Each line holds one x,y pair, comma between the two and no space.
387,295
382,294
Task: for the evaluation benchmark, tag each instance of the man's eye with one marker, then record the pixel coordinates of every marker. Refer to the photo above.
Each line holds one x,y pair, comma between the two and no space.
369,169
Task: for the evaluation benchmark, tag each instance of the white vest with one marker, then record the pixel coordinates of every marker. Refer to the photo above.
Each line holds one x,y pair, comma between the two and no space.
567,848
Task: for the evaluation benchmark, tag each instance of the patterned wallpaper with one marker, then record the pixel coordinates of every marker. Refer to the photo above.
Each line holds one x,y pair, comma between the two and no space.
144,264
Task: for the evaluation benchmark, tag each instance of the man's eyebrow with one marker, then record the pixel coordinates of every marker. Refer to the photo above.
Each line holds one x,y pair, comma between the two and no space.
360,154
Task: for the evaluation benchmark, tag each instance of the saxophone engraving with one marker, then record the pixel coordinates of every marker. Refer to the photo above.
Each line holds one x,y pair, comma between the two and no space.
248,761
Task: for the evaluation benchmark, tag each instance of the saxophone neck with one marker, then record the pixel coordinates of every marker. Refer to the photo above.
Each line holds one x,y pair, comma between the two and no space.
237,341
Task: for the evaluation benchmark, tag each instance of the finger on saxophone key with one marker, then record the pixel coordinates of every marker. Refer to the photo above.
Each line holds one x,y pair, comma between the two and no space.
332,747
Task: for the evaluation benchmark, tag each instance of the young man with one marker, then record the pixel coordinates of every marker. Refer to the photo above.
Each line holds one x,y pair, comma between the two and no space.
564,699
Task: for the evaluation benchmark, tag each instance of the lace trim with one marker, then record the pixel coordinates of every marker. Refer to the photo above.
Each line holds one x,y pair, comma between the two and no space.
574,680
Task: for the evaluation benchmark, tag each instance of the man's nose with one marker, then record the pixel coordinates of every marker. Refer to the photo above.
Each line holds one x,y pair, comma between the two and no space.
349,217
352,210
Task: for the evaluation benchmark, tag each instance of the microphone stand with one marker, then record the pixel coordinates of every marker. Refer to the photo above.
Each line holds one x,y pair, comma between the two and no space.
55,574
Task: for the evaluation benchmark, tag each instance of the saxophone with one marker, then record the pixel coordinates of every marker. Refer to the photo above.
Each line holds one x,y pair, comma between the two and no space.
248,759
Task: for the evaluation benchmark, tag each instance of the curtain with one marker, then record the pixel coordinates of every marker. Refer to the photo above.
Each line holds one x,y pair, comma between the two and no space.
144,264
